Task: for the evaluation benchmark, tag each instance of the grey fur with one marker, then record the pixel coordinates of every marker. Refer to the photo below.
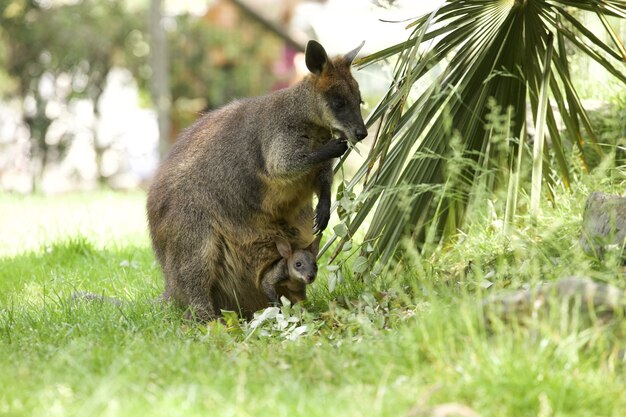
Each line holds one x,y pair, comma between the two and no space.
353,53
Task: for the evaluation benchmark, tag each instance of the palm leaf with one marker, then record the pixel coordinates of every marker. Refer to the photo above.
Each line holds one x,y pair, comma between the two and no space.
456,61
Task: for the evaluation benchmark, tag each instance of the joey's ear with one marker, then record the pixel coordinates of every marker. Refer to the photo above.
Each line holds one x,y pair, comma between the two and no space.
314,247
284,248
352,54
315,57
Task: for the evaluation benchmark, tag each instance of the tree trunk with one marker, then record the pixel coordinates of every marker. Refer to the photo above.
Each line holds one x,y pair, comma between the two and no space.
160,76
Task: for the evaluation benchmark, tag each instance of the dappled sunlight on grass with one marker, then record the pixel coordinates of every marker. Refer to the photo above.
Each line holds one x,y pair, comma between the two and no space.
108,218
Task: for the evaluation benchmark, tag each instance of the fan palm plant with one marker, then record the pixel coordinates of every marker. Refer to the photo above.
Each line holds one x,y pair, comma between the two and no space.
463,65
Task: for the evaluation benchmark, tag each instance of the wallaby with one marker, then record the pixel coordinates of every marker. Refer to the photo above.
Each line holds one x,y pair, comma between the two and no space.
242,177
290,275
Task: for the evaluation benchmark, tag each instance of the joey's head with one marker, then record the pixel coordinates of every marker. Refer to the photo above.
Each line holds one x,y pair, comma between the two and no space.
303,266
301,263
337,94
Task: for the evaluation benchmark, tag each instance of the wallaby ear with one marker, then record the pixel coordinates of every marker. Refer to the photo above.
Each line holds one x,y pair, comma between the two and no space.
314,247
352,54
284,248
315,57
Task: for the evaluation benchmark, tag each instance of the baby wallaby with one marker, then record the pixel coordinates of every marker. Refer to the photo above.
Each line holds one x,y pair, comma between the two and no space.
292,273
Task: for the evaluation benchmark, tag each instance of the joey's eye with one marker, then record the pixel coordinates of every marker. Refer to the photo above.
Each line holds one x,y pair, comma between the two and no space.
298,264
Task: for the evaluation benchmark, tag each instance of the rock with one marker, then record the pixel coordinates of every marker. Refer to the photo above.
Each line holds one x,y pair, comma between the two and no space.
92,297
604,224
604,300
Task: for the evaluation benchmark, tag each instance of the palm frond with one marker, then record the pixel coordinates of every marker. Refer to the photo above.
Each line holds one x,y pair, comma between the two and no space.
457,61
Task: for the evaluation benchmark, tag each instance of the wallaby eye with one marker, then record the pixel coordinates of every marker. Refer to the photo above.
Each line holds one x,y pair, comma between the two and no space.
298,264
337,102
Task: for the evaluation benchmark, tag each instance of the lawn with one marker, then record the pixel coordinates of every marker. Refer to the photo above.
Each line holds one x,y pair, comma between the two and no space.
401,345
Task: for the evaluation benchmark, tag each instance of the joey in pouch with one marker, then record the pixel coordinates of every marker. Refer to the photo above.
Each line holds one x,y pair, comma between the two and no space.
291,274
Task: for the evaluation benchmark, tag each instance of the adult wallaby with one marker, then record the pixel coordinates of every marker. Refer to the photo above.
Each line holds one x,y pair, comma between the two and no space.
242,177
289,276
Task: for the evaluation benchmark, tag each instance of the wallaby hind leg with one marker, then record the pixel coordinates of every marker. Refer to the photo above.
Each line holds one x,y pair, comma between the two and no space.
188,283
200,312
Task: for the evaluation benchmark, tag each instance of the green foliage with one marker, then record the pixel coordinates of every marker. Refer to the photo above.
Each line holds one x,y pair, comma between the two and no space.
56,54
454,124
211,66
610,122
83,40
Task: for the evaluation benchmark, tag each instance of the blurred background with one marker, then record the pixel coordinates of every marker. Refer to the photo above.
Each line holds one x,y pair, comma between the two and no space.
93,92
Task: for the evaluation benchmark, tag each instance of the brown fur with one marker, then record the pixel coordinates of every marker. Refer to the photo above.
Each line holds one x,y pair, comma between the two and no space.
242,177
335,76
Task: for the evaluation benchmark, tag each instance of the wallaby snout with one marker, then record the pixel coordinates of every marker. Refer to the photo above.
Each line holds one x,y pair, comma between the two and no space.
349,122
360,133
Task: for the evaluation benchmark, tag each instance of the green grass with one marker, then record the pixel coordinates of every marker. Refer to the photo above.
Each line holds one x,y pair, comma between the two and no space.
412,338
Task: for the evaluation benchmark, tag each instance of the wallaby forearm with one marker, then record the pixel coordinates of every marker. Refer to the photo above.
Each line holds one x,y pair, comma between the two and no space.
300,160
322,211
278,272
330,150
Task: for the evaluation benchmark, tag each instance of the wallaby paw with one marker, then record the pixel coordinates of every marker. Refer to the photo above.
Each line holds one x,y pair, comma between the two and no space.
322,216
337,147
272,298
